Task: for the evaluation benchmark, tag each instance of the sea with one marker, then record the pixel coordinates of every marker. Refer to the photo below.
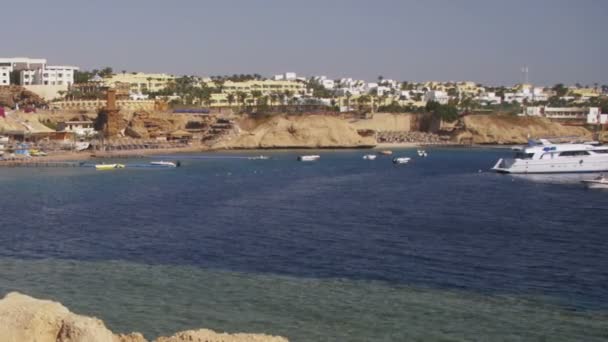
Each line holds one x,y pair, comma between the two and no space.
341,249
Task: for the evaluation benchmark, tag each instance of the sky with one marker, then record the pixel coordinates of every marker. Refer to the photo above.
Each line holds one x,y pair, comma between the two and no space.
407,40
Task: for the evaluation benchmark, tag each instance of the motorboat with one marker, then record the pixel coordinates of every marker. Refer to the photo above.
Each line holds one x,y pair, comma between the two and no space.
163,163
401,160
38,153
543,156
369,157
259,158
420,152
103,167
385,152
600,182
309,158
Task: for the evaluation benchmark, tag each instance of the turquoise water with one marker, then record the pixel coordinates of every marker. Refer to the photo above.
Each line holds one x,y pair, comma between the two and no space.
339,250
161,299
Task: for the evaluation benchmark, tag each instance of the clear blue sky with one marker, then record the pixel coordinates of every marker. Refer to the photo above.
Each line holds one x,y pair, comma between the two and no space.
484,41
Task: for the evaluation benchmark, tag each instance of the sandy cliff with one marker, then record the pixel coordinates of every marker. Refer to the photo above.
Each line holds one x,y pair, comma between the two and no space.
26,319
380,122
506,129
306,131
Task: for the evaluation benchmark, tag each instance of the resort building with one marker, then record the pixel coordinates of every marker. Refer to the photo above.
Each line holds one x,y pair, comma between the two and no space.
265,87
574,115
79,127
35,71
23,63
436,96
49,75
5,75
140,82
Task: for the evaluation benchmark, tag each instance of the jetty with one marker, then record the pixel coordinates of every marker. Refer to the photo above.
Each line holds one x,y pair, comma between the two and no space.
39,163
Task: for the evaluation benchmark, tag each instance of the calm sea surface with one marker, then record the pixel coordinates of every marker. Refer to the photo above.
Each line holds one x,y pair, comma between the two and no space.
343,249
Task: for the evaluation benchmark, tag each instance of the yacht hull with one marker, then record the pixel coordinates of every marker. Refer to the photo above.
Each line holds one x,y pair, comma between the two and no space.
587,165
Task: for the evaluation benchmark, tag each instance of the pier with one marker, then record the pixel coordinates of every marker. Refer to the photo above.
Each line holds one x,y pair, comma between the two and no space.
39,163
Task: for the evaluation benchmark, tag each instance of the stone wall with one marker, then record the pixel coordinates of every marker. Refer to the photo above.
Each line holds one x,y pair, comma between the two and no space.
128,105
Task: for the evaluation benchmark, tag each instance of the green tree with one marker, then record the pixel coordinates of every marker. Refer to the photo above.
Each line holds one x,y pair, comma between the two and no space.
560,90
230,99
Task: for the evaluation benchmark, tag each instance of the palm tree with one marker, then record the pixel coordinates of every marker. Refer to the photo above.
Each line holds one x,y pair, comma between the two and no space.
256,94
241,96
348,96
362,100
230,99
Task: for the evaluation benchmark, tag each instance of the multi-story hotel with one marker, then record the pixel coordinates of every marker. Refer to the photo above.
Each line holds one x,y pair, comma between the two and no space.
140,82
35,71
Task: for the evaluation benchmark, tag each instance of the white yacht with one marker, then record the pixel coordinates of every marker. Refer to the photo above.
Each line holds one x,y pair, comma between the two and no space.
400,160
369,157
163,163
543,156
309,158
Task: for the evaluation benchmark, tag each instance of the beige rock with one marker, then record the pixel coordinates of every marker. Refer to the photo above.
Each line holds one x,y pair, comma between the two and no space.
27,319
306,131
508,129
205,335
381,122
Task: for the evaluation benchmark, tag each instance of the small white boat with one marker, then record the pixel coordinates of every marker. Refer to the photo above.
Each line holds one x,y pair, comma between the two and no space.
163,163
385,152
309,158
600,182
369,157
109,166
400,160
420,152
259,158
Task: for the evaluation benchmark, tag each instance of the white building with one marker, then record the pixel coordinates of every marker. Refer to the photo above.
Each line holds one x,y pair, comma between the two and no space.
83,128
22,63
488,98
589,115
437,96
325,82
5,75
35,71
288,76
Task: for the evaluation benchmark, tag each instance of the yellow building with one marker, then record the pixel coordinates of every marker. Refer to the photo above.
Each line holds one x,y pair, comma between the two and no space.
585,92
266,87
140,82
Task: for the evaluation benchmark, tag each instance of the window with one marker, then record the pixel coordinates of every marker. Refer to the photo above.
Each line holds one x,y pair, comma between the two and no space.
522,155
573,153
601,151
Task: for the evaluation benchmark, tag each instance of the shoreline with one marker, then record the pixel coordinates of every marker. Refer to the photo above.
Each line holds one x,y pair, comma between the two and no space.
71,156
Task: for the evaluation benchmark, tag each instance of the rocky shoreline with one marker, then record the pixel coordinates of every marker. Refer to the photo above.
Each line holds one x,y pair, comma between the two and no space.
27,319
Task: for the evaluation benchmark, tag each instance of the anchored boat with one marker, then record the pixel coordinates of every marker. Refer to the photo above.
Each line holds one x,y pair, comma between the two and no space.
102,167
163,163
400,160
543,156
369,157
309,158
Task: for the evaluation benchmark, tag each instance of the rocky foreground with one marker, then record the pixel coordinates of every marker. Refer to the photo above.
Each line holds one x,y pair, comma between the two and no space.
27,319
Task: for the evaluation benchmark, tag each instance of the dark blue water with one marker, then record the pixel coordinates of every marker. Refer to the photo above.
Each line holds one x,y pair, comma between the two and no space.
443,222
